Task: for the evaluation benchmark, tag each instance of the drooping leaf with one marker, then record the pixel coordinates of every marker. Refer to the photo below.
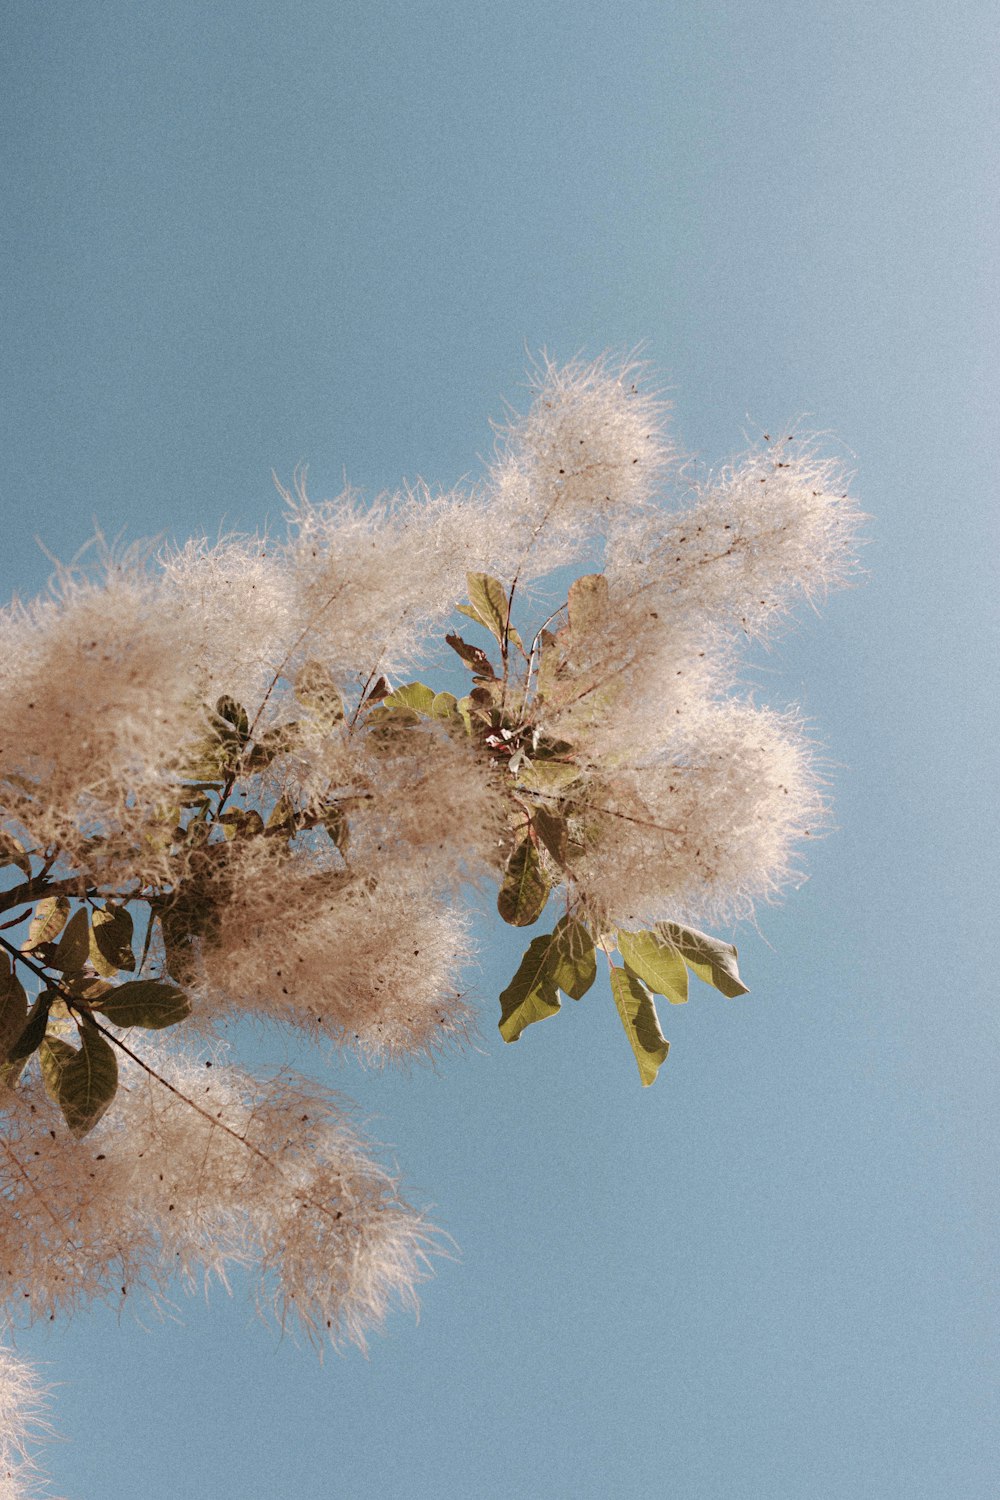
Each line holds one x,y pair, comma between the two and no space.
316,690
241,822
334,820
415,695
711,959
473,656
551,830
83,1083
230,720
532,994
31,1035
284,816
573,960
13,1007
445,706
656,962
73,948
642,1026
588,605
525,887
111,940
550,776
148,1003
487,603
48,921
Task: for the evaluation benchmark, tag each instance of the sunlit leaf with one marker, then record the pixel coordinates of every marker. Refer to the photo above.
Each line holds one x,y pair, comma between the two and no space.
712,960
83,1083
148,1003
13,852
284,816
656,962
642,1026
550,776
111,940
48,921
241,822
572,959
532,994
415,695
525,887
445,706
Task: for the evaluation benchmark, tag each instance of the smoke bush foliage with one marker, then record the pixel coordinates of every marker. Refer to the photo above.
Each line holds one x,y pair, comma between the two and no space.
217,771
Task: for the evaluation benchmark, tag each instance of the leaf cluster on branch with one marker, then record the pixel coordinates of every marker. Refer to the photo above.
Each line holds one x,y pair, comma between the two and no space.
224,793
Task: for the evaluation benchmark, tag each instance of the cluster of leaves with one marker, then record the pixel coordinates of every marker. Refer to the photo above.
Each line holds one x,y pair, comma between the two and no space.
80,943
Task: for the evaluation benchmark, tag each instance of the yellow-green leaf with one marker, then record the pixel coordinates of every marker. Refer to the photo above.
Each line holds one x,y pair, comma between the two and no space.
148,1003
525,887
111,941
83,1083
573,961
642,1026
657,963
712,960
415,695
531,995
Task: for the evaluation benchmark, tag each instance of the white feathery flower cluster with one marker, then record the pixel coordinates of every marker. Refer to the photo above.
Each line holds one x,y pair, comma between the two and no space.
23,1400
215,1171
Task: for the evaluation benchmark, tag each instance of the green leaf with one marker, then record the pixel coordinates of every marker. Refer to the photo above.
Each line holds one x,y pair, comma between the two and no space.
588,605
13,1007
230,721
111,941
334,820
656,962
641,1023
82,1083
31,1036
240,822
445,706
489,606
552,831
532,994
712,960
73,948
48,921
284,816
415,695
144,1002
275,741
573,960
473,656
525,887
316,690
549,776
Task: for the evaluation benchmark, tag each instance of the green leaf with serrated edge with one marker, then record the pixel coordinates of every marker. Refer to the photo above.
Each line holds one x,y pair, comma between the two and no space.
82,1083
144,1002
551,830
73,948
588,604
34,1028
525,887
111,941
48,921
445,706
415,695
316,690
642,1026
709,958
531,995
656,962
13,1008
572,960
473,656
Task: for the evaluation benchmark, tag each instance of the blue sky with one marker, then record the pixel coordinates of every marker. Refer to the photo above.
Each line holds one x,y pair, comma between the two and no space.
243,236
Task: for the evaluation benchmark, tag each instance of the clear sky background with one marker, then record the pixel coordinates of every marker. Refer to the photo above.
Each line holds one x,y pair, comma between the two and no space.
240,236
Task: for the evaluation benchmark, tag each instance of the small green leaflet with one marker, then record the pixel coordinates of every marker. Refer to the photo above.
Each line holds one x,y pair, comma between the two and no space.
708,957
656,962
641,1023
489,607
144,1002
82,1083
111,941
560,960
525,887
